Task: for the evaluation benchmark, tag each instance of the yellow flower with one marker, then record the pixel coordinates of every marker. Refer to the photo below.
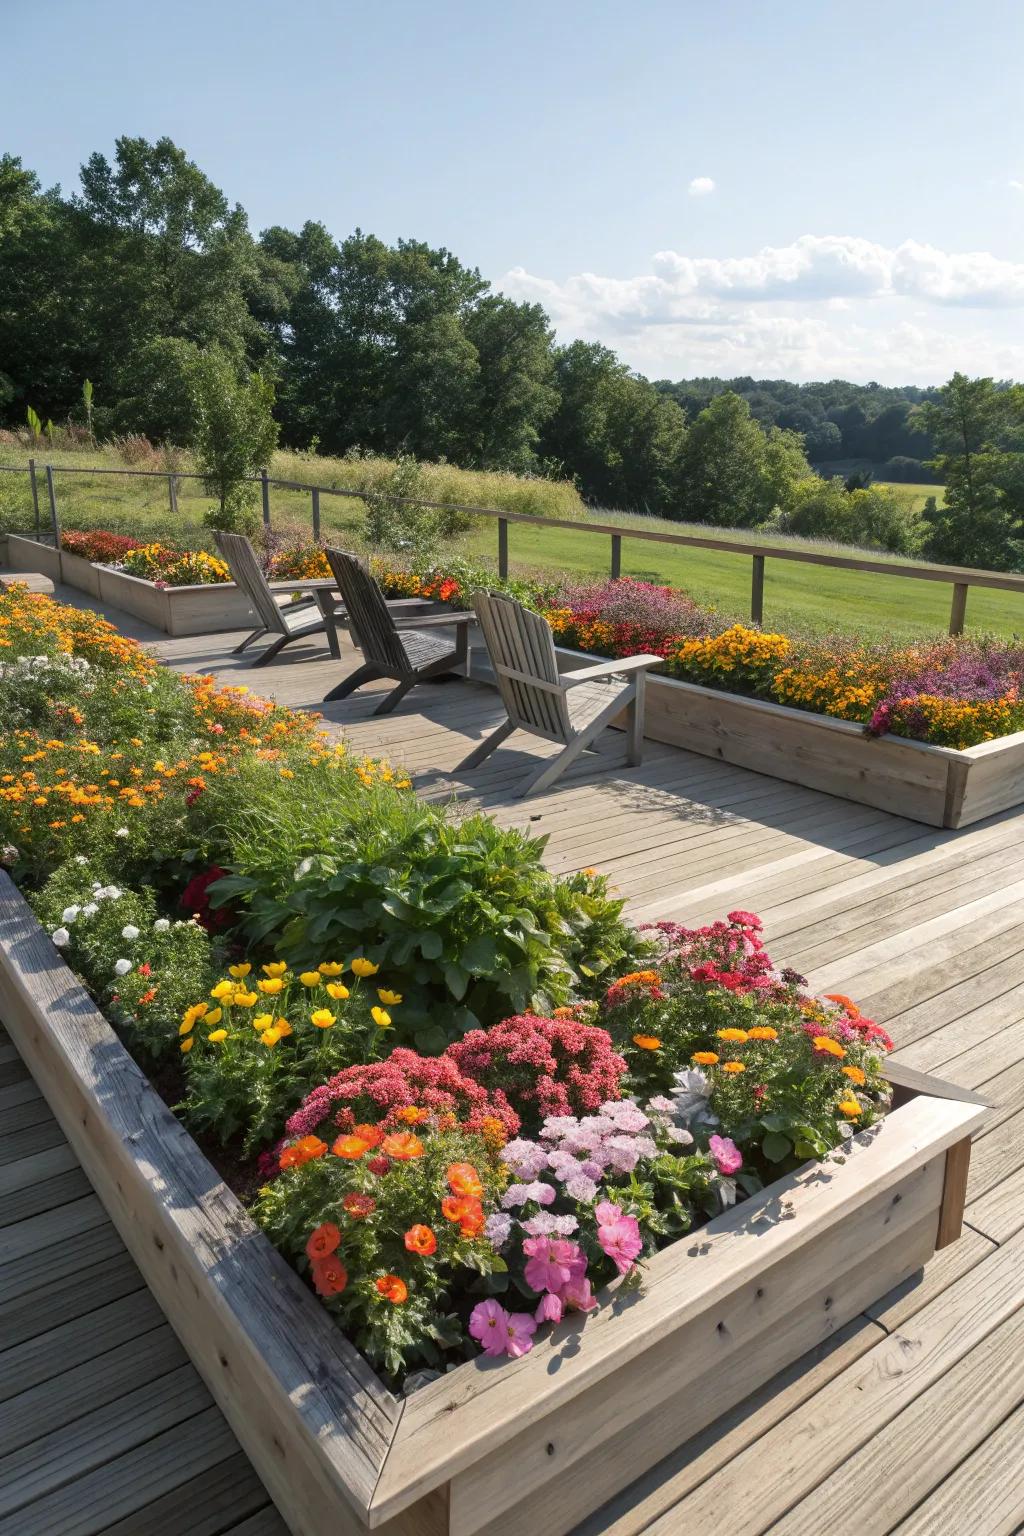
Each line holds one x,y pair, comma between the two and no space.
337,990
271,986
733,1067
856,1075
217,1036
186,1026
245,999
330,968
381,1018
270,1037
283,1028
734,1036
762,1032
828,1046
647,1042
310,978
392,999
186,1045
214,1016
363,967
323,1018
851,1108
275,968
222,989
239,972
705,1058
262,1021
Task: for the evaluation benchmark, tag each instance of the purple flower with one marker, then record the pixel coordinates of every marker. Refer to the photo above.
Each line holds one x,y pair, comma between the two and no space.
497,1229
525,1158
545,1224
516,1194
726,1155
542,1193
580,1188
488,1324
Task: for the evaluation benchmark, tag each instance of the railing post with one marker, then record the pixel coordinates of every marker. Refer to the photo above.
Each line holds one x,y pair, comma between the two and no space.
35,494
616,556
315,494
958,611
51,491
172,495
757,589
503,548
265,492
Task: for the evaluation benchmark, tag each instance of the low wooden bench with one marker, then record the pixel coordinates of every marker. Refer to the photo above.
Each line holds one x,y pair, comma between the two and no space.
33,580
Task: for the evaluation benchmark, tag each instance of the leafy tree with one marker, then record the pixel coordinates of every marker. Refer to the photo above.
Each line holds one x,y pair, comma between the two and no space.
234,436
515,392
977,427
733,472
872,516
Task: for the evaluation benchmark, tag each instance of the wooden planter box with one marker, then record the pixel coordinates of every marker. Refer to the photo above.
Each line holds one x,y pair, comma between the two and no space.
509,1448
199,610
940,786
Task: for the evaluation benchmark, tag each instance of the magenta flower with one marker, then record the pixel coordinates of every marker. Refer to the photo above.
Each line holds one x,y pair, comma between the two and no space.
520,1328
578,1295
620,1239
549,1308
488,1324
726,1154
549,1263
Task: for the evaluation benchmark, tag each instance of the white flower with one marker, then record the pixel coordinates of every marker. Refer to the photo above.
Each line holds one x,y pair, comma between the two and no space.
107,892
161,925
69,914
121,832
90,909
122,967
60,937
129,931
80,858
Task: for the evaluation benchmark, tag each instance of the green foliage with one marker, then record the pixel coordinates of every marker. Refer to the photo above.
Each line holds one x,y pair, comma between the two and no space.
395,516
733,472
35,426
233,437
874,517
978,429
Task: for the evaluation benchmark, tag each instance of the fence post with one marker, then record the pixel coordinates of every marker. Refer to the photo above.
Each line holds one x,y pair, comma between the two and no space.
35,494
616,556
265,492
172,493
757,589
958,610
503,548
315,494
54,520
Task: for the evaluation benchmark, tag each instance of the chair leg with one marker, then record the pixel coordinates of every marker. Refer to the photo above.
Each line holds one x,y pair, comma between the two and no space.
356,679
257,634
389,700
635,741
568,755
272,650
487,746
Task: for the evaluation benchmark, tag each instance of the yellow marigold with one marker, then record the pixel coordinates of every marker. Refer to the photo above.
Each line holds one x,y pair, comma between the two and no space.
647,1042
856,1075
828,1046
762,1032
275,968
733,1067
705,1058
390,999
239,972
851,1108
733,1036
381,1018
337,990
222,989
330,968
310,978
639,979
217,1036
271,985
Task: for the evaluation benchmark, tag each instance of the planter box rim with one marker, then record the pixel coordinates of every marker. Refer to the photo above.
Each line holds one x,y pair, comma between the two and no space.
213,1241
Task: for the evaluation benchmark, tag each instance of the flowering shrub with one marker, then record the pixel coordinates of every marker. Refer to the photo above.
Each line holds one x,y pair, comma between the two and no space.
98,545
556,1066
625,617
383,1224
174,567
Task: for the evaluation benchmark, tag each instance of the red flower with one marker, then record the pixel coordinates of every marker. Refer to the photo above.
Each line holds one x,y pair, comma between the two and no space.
330,1276
358,1206
323,1240
195,899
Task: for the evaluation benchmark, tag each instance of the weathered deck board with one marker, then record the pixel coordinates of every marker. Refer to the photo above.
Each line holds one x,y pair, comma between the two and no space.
875,1432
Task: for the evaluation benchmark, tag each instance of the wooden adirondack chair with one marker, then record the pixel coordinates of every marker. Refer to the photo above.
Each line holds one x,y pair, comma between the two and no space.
314,614
571,708
403,647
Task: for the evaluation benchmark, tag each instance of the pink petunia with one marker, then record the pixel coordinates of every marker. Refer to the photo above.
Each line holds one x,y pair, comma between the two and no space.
621,1241
726,1154
520,1328
549,1308
578,1296
548,1265
488,1324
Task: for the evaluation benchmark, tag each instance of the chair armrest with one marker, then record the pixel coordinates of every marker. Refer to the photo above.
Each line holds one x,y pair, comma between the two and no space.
301,584
610,668
432,620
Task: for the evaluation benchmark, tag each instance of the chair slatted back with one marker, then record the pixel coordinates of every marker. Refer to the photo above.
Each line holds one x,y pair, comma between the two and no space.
373,628
520,641
241,561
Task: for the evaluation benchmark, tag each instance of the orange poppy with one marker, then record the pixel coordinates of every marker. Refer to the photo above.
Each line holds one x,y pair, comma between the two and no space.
323,1240
330,1276
403,1146
467,1211
393,1289
353,1147
420,1239
411,1114
463,1179
371,1134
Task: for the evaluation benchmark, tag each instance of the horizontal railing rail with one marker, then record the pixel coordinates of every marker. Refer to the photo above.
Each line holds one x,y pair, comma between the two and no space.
960,578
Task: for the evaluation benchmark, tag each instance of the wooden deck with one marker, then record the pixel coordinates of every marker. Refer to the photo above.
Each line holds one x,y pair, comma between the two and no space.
911,1419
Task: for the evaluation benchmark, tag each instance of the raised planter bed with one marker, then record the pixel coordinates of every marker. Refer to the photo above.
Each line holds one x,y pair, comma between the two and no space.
940,786
495,1447
198,610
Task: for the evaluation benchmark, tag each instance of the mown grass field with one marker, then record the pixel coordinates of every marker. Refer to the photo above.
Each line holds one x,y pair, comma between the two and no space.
797,596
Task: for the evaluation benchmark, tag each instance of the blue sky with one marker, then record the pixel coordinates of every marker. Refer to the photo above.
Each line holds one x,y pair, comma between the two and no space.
867,159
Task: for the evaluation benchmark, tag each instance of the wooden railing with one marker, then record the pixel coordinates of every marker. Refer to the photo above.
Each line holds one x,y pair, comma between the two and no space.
960,578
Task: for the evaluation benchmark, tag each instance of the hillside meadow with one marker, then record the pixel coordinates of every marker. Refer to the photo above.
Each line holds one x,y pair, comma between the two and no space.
797,596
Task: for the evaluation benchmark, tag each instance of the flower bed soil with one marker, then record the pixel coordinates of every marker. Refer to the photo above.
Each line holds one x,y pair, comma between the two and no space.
511,1447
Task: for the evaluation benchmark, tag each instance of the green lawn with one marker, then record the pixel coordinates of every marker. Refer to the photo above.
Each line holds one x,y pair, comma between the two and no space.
796,596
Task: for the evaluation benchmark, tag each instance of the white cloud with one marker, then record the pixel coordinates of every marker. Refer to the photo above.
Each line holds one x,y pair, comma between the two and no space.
824,305
1017,186
700,186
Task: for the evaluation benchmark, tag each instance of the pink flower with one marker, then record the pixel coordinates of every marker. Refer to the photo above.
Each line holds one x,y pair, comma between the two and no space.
607,1213
488,1324
549,1263
620,1239
726,1154
549,1308
520,1328
578,1295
